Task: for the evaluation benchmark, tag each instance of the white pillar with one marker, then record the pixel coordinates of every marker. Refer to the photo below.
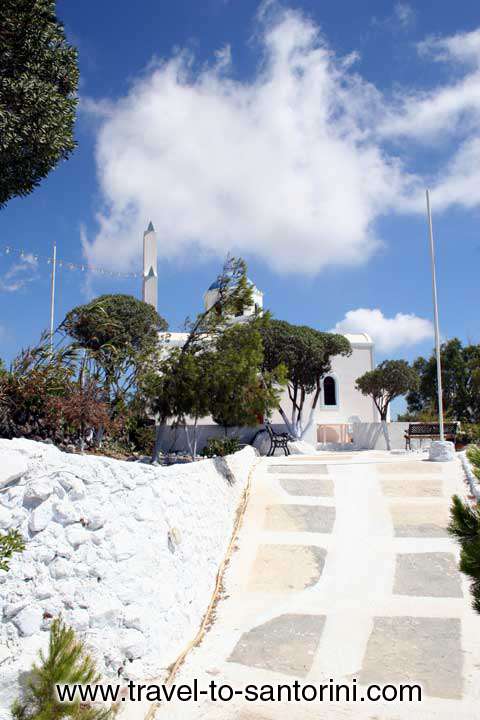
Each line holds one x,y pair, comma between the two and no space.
150,277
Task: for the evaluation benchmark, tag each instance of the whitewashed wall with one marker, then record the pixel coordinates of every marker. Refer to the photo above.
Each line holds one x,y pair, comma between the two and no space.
127,553
350,402
370,436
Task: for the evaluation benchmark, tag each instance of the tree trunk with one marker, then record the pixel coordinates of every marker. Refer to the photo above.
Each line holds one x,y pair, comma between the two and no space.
158,435
386,434
287,422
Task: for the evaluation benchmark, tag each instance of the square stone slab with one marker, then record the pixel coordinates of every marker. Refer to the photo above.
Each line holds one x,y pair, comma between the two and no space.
427,575
399,487
420,520
313,487
287,644
300,518
294,469
419,650
287,568
420,467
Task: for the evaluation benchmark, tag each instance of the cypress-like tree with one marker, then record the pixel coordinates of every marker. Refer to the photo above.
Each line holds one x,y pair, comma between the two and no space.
465,527
38,85
67,663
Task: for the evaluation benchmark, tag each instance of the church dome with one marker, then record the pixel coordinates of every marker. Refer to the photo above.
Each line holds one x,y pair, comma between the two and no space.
211,296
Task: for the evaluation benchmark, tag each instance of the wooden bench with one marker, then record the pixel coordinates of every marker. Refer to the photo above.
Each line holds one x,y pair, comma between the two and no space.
277,440
431,431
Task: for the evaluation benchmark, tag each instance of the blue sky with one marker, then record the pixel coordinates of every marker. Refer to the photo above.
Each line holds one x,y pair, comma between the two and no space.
300,136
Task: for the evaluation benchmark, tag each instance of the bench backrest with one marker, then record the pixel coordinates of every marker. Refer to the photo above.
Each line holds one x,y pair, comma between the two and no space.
432,428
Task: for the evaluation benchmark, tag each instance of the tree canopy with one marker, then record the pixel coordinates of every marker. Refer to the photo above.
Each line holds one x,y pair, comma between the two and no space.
38,85
460,382
389,380
117,331
306,355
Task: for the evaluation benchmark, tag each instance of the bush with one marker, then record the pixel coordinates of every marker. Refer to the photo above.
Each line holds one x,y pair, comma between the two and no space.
67,663
465,528
10,543
219,447
469,433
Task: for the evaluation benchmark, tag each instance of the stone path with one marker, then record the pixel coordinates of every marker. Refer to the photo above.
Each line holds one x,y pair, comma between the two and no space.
344,571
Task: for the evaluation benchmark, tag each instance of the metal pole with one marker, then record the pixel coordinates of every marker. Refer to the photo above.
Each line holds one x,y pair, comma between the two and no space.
52,295
435,313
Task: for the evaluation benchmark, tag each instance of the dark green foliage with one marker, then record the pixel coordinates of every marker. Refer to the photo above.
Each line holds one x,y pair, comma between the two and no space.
465,527
240,395
389,380
219,447
460,382
468,433
118,332
10,543
38,84
305,354
67,663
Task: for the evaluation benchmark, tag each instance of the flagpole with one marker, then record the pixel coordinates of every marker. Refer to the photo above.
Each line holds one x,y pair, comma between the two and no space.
435,313
52,295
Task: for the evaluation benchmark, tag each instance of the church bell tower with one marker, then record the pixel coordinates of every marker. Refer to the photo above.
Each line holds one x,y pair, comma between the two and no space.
150,278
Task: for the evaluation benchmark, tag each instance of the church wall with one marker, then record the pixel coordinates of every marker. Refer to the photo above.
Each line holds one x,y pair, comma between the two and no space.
350,402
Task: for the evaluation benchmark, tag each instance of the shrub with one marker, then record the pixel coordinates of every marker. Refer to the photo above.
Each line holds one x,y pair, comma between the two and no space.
219,447
67,663
465,528
10,543
81,411
469,433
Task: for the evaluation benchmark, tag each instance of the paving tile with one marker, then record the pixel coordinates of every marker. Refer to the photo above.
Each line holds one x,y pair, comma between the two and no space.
422,520
421,467
287,644
287,568
427,575
419,650
399,487
294,469
312,487
300,518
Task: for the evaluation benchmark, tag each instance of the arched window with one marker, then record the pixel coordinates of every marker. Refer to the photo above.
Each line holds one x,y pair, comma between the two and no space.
329,391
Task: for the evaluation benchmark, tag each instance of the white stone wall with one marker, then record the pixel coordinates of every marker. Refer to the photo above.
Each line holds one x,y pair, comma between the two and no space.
127,553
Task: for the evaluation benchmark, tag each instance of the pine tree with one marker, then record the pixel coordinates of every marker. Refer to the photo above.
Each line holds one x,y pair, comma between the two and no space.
67,663
38,85
10,543
465,527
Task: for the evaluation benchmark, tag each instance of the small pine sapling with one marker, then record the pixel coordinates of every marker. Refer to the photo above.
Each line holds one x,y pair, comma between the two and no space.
10,543
67,663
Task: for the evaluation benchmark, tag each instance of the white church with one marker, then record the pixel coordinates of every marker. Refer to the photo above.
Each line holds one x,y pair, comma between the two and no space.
340,405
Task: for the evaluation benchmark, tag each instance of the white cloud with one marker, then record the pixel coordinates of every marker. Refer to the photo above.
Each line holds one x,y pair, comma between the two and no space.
462,46
389,334
404,13
294,166
19,274
426,115
276,167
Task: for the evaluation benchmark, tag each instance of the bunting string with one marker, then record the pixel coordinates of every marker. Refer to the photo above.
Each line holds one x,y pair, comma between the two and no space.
7,250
